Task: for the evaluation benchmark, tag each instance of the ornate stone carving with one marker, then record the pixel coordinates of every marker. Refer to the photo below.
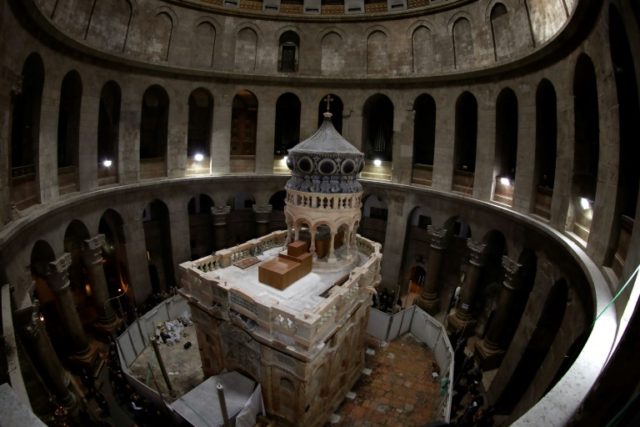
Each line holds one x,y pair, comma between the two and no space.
92,253
439,238
58,274
512,271
477,253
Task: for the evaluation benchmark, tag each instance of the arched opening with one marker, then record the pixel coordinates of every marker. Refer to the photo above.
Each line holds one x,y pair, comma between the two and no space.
81,286
246,50
25,133
377,57
422,50
333,104
629,117
288,52
415,254
424,139
373,224
203,47
277,218
69,132
244,120
500,31
157,235
466,134
200,226
108,133
506,147
537,348
241,225
199,131
377,135
287,130
115,265
322,241
154,122
332,61
546,147
462,43
586,148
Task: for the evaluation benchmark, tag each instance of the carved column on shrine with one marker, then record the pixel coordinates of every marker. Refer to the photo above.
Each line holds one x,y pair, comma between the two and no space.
93,260
461,319
261,214
429,299
45,359
219,216
490,350
58,280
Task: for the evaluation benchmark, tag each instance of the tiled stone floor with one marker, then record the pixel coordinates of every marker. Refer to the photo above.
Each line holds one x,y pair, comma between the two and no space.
399,392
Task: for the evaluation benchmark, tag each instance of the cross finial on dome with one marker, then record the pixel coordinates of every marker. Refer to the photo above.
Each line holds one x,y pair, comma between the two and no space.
328,99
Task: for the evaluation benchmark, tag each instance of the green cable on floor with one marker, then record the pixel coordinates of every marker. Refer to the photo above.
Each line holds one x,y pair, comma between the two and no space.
633,275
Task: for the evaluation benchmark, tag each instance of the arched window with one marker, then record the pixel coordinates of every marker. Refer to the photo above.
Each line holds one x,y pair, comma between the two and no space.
244,118
332,61
108,132
69,131
424,139
462,43
506,146
466,133
154,123
288,52
199,131
377,60
25,132
500,31
586,147
546,147
246,49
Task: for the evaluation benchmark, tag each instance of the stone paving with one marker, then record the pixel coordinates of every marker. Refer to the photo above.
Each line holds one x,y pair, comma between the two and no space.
399,392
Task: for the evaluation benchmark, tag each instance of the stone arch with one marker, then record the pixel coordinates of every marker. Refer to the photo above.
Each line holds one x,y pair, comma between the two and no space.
25,133
506,145
154,129
422,49
109,131
158,40
288,51
287,123
332,60
200,226
110,23
246,49
501,34
157,231
199,130
244,126
203,48
465,143
377,127
424,130
586,148
463,47
69,131
377,52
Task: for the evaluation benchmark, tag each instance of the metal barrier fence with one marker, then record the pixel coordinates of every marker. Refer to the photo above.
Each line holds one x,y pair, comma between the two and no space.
387,327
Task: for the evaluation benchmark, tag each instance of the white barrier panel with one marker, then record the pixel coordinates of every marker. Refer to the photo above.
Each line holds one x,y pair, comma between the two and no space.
378,324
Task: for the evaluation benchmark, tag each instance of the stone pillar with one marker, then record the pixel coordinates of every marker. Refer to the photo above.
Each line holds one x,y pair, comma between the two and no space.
484,174
177,139
88,152
58,280
490,350
429,299
443,151
129,134
92,257
219,216
332,257
264,137
261,214
47,154
55,377
221,133
462,316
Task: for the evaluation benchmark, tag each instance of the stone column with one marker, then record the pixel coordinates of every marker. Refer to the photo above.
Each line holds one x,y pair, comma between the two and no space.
429,299
219,216
45,359
58,280
264,137
129,134
88,131
92,257
332,257
221,133
462,315
47,154
261,214
491,349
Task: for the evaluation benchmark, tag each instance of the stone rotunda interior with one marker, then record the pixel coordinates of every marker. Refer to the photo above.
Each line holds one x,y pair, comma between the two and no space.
500,138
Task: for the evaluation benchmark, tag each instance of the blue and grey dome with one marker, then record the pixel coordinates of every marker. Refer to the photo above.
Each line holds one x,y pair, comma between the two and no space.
325,163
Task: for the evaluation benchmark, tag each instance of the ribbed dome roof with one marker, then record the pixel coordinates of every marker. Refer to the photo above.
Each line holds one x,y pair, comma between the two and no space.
325,140
325,163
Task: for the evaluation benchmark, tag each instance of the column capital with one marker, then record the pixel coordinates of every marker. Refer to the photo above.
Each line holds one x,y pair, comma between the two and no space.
262,209
92,249
220,210
439,237
58,274
477,253
512,271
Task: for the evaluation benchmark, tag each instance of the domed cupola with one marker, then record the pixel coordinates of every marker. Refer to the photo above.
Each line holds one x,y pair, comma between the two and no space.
325,163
